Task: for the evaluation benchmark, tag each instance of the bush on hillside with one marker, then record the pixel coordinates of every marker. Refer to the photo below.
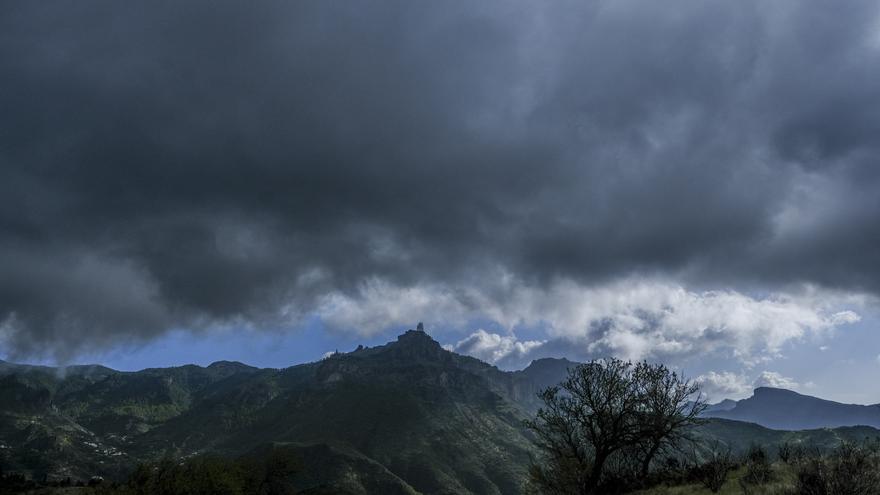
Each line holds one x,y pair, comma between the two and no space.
713,472
759,469
793,453
850,469
264,474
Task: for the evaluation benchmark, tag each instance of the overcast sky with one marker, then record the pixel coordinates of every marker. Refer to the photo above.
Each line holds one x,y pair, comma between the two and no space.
694,182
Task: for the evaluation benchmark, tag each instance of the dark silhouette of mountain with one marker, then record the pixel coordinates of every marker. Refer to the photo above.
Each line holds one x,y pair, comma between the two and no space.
547,371
724,405
787,410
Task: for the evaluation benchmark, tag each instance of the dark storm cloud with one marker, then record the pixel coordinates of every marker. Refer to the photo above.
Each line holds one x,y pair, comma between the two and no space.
186,164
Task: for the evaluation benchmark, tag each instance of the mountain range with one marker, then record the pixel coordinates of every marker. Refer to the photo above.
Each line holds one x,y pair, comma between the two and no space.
783,409
407,417
421,418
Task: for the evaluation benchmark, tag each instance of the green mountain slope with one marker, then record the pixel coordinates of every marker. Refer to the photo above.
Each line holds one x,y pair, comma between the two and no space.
739,435
406,417
338,470
441,422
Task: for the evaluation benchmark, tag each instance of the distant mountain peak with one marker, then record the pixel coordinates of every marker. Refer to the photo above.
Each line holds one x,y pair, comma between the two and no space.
723,406
784,409
417,343
774,391
223,364
548,365
417,337
546,372
549,361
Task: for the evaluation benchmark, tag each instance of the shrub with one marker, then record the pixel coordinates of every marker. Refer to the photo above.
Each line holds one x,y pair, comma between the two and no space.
812,478
713,473
854,471
848,470
758,467
792,453
785,452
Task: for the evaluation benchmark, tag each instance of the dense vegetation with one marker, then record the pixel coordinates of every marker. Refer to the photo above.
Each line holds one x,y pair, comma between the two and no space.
211,475
851,468
268,473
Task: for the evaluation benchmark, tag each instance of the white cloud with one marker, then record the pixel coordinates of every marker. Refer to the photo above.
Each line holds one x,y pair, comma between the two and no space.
730,385
724,385
845,317
637,319
630,318
379,305
775,380
496,349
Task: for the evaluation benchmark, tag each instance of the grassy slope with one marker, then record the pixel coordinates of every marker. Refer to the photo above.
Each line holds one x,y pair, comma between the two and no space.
783,479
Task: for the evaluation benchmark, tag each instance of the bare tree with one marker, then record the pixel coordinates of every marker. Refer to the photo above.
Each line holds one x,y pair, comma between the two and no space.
669,406
587,418
602,408
568,458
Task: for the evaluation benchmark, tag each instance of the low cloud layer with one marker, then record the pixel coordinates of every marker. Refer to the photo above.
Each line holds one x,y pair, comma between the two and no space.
718,386
631,319
729,385
776,380
496,349
203,164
